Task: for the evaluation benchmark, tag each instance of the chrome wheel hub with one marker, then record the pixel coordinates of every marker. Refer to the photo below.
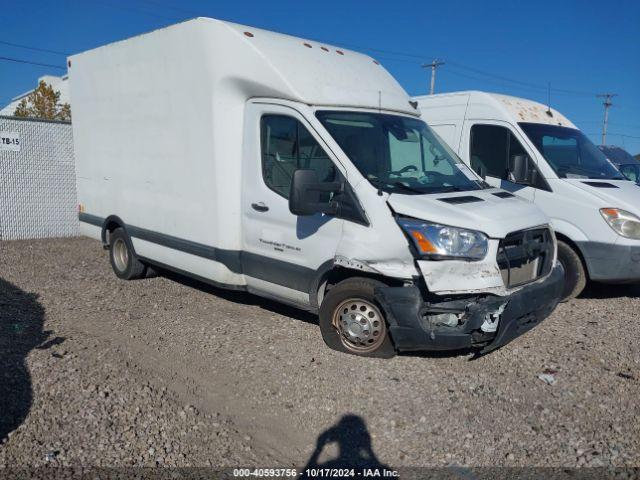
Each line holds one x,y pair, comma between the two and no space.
360,324
120,255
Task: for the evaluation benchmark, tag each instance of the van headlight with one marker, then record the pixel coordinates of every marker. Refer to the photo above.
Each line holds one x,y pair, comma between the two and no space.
623,223
442,242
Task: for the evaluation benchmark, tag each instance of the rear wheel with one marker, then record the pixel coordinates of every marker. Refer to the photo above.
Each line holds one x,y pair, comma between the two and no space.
124,262
575,276
351,321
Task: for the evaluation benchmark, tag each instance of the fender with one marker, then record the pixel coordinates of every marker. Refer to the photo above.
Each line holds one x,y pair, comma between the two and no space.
114,219
569,230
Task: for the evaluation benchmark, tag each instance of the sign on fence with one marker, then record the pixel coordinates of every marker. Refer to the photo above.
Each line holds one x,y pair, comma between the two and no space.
10,141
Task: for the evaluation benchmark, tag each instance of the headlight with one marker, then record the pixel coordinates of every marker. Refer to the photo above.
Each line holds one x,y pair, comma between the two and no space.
623,223
440,241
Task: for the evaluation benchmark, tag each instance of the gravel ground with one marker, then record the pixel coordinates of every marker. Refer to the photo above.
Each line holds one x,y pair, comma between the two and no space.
165,371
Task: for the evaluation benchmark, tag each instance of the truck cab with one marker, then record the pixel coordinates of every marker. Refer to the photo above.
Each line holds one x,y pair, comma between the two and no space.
536,153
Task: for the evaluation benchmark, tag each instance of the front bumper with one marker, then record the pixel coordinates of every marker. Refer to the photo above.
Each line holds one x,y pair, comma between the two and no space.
407,312
608,262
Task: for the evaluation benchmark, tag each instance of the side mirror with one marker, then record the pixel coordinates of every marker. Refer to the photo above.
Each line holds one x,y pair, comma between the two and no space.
304,196
520,169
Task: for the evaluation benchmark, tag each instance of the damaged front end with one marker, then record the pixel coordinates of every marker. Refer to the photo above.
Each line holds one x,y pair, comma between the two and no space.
423,321
485,303
457,288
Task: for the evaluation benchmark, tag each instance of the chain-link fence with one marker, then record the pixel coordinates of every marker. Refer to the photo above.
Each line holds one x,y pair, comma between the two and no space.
37,179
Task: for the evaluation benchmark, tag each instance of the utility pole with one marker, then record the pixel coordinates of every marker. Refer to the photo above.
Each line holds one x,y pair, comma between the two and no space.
435,64
607,103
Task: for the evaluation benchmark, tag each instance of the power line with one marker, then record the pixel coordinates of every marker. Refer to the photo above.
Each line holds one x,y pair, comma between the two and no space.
406,55
494,81
625,136
384,52
615,124
519,82
170,7
135,10
471,69
499,77
615,135
18,60
35,49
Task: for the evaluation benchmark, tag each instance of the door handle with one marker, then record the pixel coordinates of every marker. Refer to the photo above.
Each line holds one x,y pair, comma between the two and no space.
259,207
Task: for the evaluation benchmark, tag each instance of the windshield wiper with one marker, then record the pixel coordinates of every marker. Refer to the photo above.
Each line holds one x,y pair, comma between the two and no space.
406,187
450,188
398,185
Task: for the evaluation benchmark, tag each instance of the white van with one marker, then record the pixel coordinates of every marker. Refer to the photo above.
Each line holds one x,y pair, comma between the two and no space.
301,172
538,154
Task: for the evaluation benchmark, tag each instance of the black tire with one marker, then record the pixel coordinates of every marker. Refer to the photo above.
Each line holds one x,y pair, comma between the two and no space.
123,260
575,276
358,292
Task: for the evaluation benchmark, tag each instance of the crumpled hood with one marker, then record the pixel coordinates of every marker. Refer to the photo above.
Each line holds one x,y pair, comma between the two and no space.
626,196
494,216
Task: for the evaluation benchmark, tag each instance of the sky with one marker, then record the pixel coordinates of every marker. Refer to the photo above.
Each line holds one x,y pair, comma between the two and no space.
581,48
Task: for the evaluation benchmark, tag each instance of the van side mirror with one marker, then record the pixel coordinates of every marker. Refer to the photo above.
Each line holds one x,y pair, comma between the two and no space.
305,194
520,170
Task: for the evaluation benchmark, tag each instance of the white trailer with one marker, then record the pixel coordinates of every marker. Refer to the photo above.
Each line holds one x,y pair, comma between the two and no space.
536,153
300,171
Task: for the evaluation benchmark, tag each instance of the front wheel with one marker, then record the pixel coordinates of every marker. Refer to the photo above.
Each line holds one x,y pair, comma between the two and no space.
575,276
351,321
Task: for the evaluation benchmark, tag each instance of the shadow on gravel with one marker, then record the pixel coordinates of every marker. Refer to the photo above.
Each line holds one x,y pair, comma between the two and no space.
238,296
353,440
21,321
602,291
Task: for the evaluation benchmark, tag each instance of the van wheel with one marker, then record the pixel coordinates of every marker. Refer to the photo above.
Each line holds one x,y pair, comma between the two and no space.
351,321
124,262
575,276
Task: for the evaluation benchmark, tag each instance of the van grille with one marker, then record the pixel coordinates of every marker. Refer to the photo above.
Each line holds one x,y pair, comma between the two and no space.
525,256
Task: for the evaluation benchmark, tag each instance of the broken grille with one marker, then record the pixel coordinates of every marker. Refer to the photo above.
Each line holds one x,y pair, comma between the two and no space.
525,256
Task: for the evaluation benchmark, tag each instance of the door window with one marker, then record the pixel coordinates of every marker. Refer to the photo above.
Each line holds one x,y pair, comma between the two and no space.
489,147
493,150
632,172
287,146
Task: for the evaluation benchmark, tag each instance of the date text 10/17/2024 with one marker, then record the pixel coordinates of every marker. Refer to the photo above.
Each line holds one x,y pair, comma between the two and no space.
314,473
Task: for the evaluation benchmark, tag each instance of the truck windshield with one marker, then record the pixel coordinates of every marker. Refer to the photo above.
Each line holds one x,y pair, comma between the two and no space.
570,153
398,154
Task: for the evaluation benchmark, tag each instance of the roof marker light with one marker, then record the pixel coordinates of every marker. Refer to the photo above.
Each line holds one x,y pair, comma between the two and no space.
376,62
307,45
339,52
325,49
248,34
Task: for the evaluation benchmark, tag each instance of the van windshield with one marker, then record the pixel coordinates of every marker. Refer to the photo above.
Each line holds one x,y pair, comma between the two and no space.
570,153
398,154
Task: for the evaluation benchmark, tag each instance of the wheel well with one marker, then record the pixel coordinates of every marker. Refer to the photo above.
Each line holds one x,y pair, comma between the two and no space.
337,274
564,239
110,224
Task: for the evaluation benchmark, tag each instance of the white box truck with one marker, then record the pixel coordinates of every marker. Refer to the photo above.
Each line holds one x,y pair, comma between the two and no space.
301,172
535,152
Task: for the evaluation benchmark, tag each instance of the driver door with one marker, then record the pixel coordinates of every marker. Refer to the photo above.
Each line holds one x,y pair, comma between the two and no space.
282,252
